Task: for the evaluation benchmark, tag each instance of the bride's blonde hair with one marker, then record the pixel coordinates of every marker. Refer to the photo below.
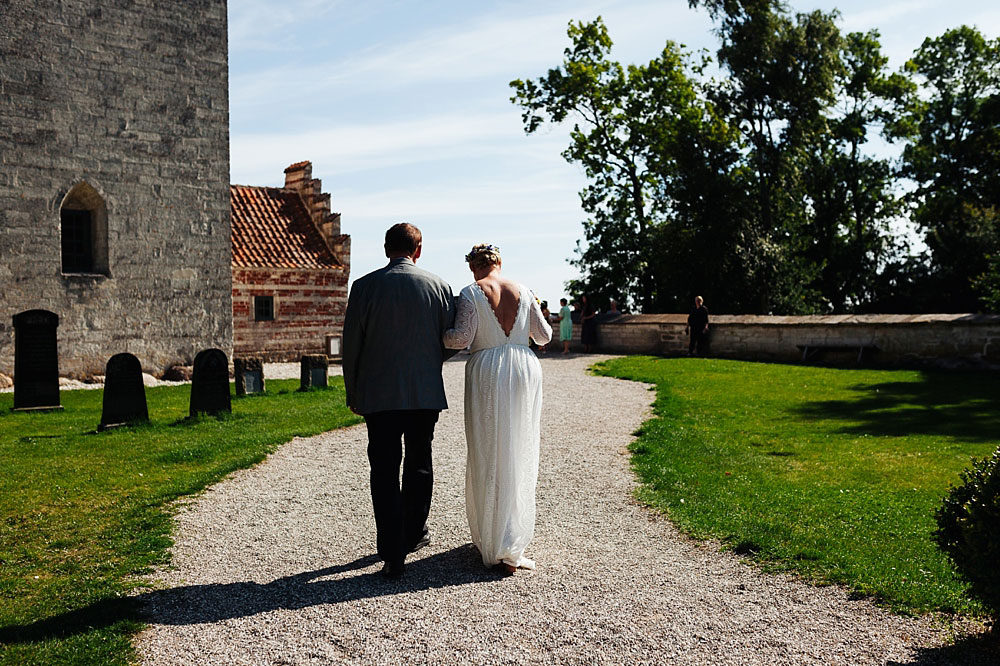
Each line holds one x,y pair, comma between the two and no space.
483,255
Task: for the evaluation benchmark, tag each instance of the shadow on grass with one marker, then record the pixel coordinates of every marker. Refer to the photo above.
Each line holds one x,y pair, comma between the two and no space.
977,650
961,405
201,417
197,604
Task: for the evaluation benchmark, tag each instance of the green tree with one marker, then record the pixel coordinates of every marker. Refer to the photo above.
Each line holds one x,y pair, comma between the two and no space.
612,147
781,78
953,156
987,284
635,132
853,195
758,190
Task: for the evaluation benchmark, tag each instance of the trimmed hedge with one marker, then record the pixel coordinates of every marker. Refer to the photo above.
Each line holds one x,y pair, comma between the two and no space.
969,528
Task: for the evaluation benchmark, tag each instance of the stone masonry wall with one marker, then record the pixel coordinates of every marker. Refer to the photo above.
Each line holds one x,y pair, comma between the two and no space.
308,305
937,339
130,97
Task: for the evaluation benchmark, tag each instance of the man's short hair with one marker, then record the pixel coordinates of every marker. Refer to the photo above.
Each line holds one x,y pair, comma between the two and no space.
402,237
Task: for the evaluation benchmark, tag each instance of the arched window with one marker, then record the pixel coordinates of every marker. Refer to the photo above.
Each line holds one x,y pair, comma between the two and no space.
83,219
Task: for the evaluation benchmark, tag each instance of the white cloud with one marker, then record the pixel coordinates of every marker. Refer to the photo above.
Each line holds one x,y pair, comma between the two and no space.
530,194
494,46
265,25
480,49
356,147
882,16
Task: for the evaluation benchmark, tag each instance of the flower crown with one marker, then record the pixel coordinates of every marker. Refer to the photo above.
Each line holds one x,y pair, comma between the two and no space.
476,251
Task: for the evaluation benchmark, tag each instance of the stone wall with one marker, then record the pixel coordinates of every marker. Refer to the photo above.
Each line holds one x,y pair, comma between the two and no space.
308,305
131,99
936,339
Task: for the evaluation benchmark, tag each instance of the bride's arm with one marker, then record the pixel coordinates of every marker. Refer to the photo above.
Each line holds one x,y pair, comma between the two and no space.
539,329
466,323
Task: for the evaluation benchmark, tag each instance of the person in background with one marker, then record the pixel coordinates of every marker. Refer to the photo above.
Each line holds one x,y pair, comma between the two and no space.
565,324
697,326
588,324
548,319
611,313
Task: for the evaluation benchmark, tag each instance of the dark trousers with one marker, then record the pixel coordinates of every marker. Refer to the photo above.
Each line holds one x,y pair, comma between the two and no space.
699,342
400,512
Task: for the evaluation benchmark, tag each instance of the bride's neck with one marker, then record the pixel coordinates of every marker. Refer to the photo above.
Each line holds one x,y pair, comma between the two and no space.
486,272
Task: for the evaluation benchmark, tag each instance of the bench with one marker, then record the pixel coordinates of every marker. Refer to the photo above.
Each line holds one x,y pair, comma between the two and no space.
814,352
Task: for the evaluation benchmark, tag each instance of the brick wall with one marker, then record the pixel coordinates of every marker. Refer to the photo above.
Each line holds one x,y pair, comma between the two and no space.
130,98
937,339
308,305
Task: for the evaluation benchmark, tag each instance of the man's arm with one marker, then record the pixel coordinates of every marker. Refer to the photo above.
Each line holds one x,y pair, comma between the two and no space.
353,342
447,320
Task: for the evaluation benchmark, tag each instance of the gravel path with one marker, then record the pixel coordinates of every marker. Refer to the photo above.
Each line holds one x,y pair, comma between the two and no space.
276,566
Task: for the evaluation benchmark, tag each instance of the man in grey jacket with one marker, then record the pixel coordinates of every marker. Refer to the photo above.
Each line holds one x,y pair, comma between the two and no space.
392,371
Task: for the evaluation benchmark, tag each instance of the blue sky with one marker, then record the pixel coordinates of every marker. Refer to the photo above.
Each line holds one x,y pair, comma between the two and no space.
403,109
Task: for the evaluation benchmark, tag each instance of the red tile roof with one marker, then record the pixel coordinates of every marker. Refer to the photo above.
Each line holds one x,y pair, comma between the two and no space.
271,228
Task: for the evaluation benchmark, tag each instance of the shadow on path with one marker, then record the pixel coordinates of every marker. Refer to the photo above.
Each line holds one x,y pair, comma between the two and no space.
978,650
214,602
961,405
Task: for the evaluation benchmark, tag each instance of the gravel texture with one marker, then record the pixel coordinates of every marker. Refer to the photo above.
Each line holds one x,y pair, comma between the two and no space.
275,565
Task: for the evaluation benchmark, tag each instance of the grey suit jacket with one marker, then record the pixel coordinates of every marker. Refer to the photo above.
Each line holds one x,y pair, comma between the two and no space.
392,339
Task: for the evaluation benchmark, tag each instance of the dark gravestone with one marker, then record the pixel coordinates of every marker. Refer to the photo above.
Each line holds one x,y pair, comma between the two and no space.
315,368
249,375
36,360
210,383
124,393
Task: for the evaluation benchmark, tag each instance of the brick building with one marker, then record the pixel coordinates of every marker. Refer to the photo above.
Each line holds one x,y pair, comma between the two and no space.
114,178
290,268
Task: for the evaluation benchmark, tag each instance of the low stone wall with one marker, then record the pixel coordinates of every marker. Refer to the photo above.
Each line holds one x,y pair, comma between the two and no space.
935,339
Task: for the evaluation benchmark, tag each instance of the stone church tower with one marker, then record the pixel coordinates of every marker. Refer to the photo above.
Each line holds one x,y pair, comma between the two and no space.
114,178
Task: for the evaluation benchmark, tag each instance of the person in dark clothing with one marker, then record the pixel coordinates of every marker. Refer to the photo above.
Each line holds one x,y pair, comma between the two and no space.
697,326
588,321
393,356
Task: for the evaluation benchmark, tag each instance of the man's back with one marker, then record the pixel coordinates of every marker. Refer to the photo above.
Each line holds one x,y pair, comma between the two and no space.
392,339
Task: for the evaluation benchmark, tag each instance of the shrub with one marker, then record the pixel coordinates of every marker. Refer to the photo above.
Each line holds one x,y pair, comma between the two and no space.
969,528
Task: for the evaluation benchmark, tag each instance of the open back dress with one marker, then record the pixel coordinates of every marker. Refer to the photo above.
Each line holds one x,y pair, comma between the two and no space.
503,405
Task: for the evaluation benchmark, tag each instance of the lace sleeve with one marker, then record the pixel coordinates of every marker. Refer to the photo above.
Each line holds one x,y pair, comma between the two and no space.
539,329
466,323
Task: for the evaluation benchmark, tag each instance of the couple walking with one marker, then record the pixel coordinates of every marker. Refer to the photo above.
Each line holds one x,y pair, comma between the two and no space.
400,324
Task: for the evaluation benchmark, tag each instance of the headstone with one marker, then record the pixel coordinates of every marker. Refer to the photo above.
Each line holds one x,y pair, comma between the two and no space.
333,343
36,360
210,383
315,368
124,392
249,375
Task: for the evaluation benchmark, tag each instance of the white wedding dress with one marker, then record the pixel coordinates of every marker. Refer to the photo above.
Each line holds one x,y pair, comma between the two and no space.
503,405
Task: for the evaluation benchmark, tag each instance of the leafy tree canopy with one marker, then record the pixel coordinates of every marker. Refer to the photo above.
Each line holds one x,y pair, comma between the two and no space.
757,189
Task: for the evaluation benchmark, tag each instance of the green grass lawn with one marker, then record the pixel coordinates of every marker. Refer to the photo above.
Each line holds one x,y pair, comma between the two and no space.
82,513
832,473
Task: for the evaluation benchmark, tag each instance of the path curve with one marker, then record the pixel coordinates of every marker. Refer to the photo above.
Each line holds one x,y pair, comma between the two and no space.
275,566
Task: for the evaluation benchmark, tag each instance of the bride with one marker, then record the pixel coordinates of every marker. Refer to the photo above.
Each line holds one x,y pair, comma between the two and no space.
503,404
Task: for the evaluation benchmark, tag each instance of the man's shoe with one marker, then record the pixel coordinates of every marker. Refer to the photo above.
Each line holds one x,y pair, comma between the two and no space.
425,540
393,570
